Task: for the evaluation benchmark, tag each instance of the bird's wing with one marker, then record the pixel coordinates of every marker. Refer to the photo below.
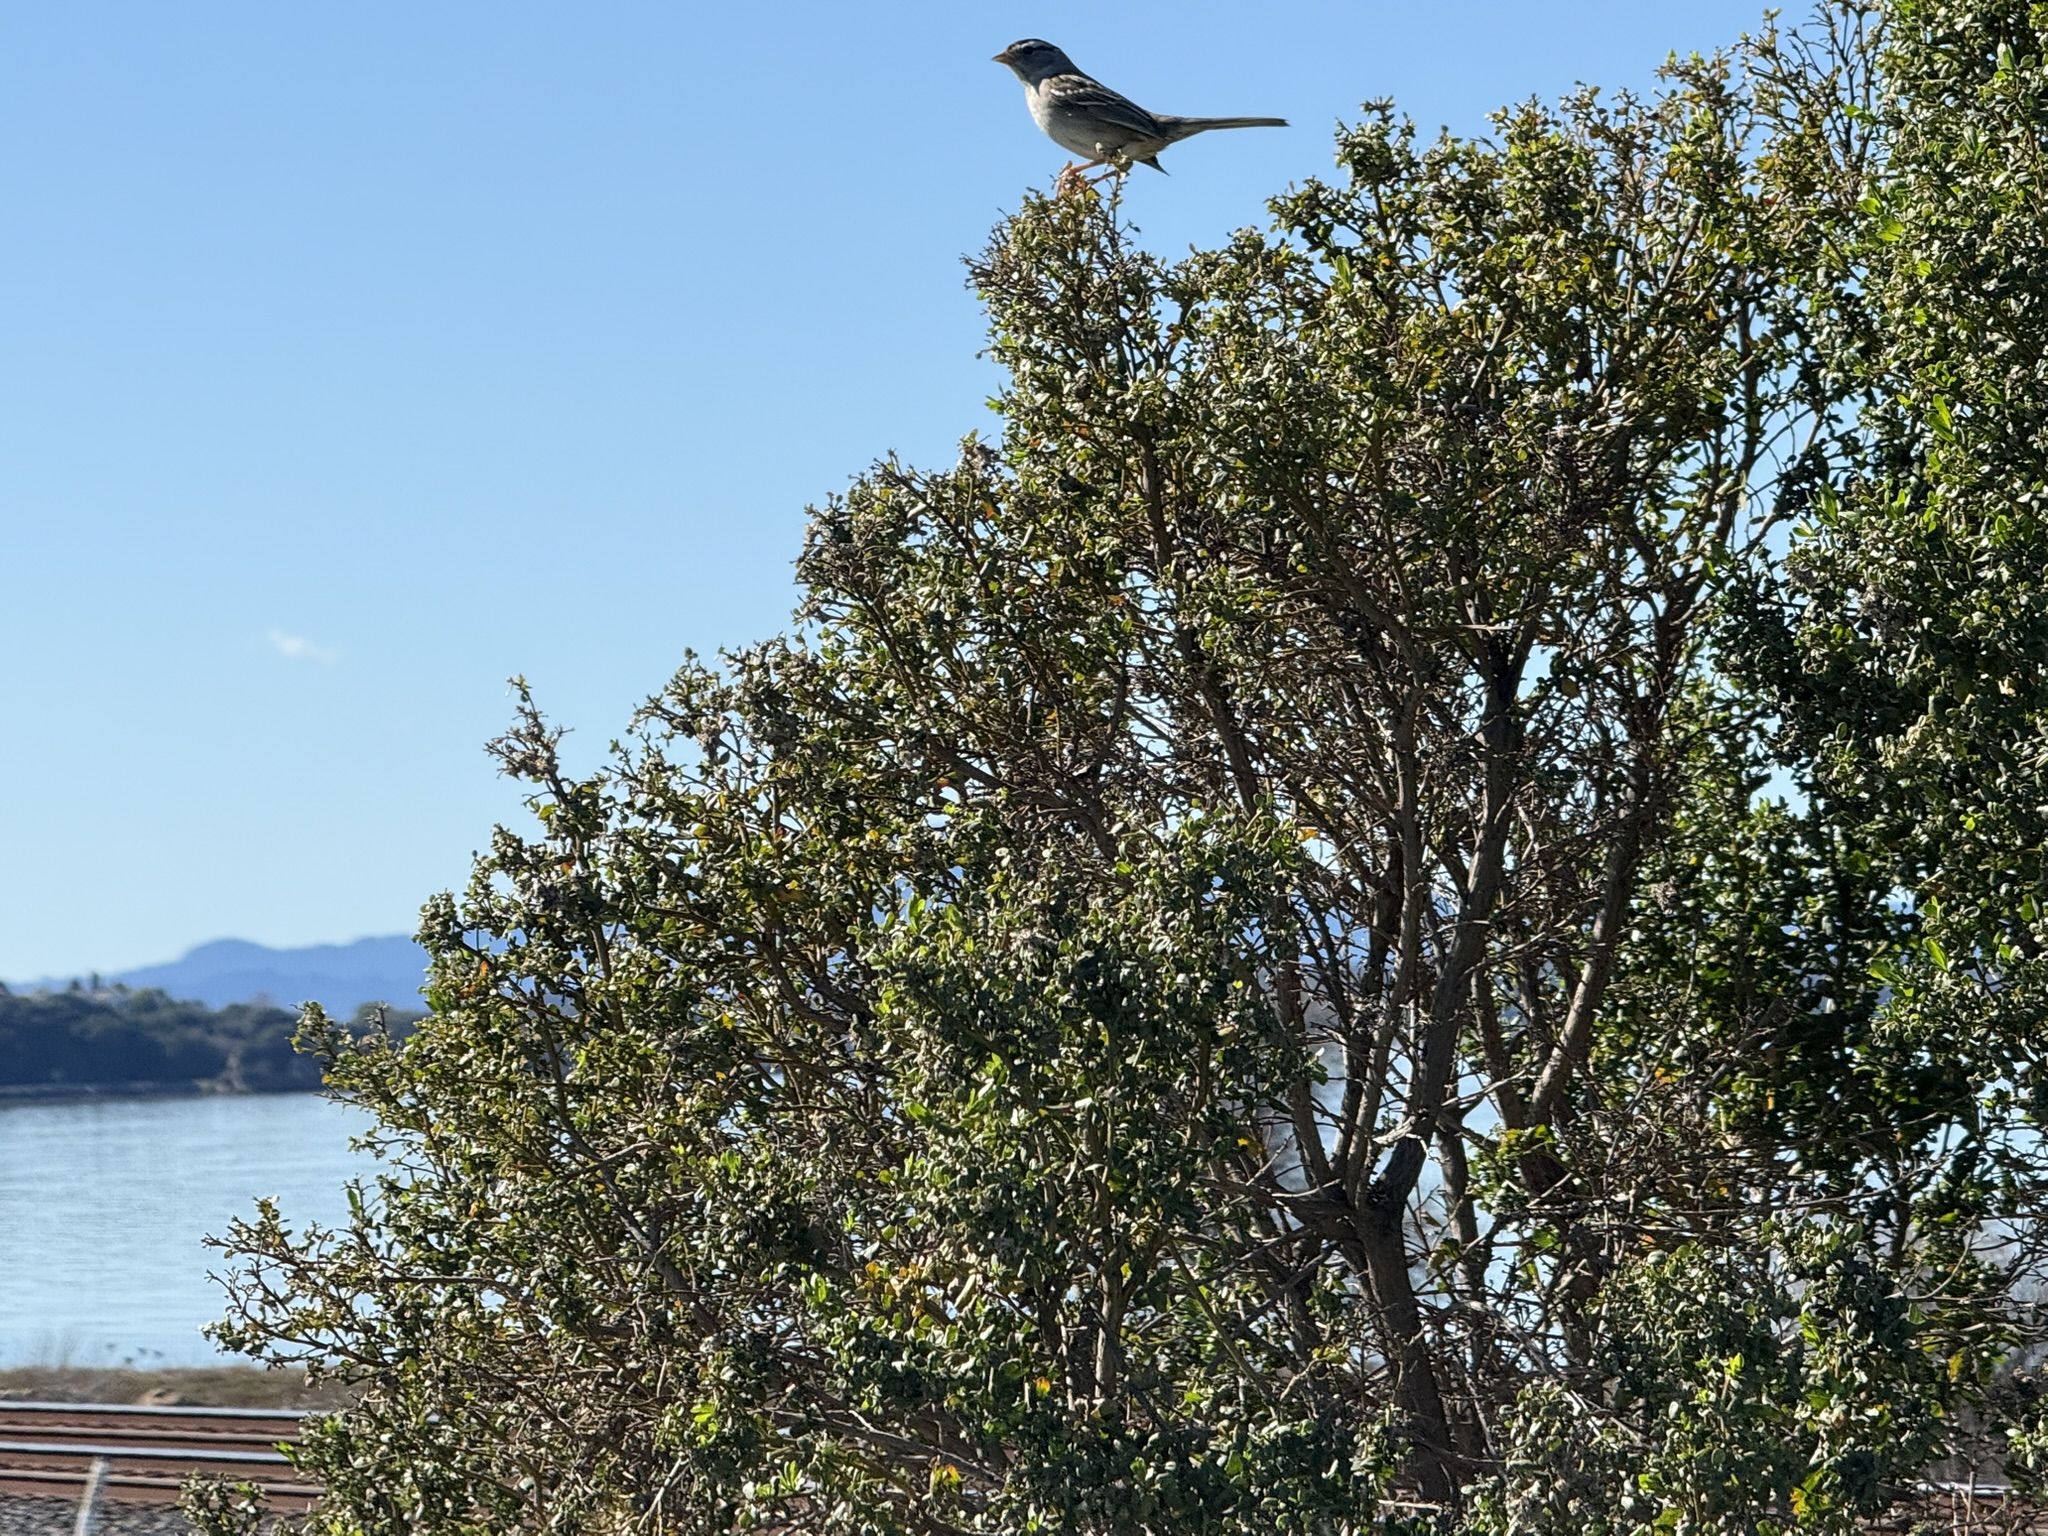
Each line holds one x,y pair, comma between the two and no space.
1079,93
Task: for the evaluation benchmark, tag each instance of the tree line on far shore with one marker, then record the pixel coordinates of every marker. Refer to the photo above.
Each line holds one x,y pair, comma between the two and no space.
114,1040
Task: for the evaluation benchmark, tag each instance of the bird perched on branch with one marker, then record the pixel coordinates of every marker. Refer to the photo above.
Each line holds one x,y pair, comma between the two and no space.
1085,117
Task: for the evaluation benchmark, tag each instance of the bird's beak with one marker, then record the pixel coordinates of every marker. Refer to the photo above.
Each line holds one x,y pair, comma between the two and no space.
1001,58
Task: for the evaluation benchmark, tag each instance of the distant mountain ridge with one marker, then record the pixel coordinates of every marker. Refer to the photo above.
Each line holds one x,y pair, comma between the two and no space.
340,977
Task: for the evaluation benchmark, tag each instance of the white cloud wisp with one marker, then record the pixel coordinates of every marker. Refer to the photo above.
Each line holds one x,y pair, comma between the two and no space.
299,648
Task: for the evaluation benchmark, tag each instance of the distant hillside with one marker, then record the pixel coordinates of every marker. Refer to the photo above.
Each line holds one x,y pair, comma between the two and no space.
340,977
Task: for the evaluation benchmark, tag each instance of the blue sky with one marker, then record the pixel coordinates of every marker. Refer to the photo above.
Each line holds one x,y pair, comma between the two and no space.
333,339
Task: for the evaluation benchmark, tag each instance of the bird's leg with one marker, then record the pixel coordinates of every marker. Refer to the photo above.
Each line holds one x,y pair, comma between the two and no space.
1070,176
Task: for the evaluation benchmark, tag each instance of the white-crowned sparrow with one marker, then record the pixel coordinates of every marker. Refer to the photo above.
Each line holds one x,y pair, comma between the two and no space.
1085,117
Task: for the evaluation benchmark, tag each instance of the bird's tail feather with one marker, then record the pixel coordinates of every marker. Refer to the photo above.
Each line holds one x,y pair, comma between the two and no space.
1182,127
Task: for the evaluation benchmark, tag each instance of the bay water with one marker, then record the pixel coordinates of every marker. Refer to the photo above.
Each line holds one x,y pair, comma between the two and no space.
104,1205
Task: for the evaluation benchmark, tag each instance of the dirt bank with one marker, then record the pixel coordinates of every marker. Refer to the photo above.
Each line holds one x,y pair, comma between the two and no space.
208,1387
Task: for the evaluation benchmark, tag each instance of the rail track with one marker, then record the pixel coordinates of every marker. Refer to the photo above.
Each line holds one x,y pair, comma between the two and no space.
101,1452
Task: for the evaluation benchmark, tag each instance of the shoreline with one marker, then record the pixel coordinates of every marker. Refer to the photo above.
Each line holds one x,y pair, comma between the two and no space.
204,1386
90,1093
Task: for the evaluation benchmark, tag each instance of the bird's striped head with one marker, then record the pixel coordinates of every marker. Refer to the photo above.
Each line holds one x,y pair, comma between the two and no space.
1034,60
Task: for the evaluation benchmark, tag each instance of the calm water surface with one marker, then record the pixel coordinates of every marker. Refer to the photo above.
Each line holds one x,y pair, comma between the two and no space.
103,1205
